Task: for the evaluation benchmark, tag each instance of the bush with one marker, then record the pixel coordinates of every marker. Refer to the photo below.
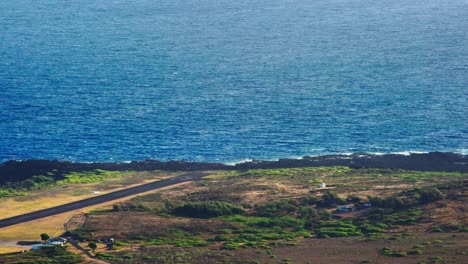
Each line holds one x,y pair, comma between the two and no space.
389,202
231,245
132,206
281,207
219,238
330,199
429,194
368,229
207,209
337,229
353,199
105,256
392,253
415,252
49,255
436,259
283,222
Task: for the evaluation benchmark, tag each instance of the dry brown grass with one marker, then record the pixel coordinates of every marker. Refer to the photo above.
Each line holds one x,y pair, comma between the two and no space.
352,250
131,224
59,195
30,231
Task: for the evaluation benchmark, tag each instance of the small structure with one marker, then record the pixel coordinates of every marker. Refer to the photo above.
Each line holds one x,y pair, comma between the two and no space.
322,185
367,205
57,241
345,208
110,243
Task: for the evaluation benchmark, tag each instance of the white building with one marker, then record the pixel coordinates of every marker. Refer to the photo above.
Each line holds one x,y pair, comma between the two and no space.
57,241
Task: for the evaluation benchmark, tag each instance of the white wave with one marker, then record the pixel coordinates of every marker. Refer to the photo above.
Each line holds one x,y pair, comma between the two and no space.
232,163
408,153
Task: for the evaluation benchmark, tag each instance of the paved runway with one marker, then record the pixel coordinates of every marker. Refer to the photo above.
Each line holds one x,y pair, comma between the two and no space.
193,176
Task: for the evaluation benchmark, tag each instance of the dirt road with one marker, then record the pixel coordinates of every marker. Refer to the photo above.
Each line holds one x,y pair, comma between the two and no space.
192,176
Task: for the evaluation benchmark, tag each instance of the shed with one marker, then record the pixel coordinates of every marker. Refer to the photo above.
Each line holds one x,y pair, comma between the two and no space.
345,208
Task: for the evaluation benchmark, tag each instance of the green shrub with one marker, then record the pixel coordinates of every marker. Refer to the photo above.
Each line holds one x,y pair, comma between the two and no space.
283,221
415,252
389,202
353,199
158,241
428,194
106,256
367,229
207,209
219,238
276,208
49,255
330,199
190,242
231,245
436,259
392,253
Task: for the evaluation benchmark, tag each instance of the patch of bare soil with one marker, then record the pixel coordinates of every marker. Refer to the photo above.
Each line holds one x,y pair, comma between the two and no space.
75,221
449,247
133,224
240,191
453,212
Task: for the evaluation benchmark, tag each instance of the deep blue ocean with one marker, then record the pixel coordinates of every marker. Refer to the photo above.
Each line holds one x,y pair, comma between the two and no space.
223,80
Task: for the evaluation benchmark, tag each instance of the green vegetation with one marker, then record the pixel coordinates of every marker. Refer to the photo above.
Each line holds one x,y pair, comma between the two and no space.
281,207
392,253
428,194
263,209
52,255
207,209
91,176
330,199
20,188
436,259
333,228
137,207
44,237
106,256
92,246
291,172
389,202
190,241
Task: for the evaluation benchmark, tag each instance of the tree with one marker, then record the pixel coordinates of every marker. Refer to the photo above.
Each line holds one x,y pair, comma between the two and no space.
353,199
44,237
330,199
92,245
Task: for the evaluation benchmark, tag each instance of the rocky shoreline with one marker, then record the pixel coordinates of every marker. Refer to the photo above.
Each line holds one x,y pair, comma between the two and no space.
434,161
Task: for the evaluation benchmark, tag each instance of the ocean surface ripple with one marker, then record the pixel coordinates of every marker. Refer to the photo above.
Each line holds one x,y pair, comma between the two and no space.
218,80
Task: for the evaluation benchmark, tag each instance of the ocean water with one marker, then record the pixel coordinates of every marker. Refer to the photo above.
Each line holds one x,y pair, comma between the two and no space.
219,80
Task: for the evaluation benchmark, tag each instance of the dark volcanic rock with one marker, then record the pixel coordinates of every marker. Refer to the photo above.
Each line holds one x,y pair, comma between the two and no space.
433,161
13,171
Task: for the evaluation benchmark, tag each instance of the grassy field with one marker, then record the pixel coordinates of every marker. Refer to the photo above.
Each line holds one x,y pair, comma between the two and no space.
72,189
54,195
283,216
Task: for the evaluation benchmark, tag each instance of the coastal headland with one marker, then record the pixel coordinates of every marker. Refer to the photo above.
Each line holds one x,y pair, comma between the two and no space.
432,161
369,208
